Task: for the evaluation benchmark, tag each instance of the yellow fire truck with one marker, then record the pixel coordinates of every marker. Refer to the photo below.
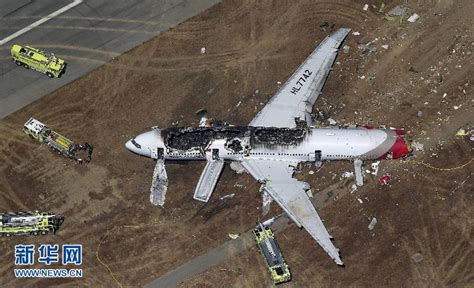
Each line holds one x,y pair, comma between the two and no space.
57,142
279,270
38,60
29,223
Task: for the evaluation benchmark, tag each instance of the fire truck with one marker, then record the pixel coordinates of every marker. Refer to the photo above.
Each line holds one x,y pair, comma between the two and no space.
57,142
35,59
270,251
29,223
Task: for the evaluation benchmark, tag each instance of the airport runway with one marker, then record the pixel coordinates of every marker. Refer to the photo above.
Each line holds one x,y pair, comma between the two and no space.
87,35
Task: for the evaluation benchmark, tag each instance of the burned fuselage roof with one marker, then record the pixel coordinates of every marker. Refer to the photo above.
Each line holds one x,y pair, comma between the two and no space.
199,137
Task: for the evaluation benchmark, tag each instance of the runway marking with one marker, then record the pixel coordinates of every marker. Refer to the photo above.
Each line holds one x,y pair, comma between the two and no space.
41,21
93,29
106,19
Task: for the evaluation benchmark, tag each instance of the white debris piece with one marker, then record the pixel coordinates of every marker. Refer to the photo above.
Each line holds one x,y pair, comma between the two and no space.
356,33
311,172
417,258
346,49
266,202
360,200
269,221
278,82
227,196
366,7
375,168
332,121
372,224
203,50
456,107
353,188
238,104
445,94
237,167
413,18
347,174
417,146
385,46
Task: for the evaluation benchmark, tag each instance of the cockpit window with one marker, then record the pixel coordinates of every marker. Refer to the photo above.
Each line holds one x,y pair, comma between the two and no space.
136,144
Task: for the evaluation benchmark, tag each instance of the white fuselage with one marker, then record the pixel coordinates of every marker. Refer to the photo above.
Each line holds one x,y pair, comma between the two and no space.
329,143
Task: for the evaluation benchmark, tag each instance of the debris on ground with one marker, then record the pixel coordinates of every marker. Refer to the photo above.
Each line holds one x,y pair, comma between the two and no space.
332,121
382,6
367,47
413,18
375,168
385,46
311,172
461,132
366,7
417,258
356,33
238,185
234,235
346,49
397,11
372,223
360,200
347,174
323,26
231,195
417,146
353,188
237,167
266,202
203,50
385,179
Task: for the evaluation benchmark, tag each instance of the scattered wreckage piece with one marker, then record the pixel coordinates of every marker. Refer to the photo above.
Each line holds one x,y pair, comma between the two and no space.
385,179
57,142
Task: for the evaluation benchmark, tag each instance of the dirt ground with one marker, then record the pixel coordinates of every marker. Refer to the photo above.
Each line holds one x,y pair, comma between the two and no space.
422,82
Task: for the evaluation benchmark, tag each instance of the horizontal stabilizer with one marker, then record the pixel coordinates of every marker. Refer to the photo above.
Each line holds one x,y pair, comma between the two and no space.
208,180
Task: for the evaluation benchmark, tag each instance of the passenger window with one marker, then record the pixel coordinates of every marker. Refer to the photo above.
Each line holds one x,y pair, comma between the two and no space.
31,54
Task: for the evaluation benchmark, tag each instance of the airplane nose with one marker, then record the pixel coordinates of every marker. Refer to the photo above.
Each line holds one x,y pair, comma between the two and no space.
145,143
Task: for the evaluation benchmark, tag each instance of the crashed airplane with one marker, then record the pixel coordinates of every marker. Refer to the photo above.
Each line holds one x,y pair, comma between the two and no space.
279,138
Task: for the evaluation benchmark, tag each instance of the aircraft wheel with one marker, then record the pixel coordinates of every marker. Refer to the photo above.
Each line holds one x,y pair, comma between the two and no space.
26,66
18,63
50,75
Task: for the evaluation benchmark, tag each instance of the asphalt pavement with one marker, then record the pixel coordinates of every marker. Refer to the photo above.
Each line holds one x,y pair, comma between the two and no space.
87,35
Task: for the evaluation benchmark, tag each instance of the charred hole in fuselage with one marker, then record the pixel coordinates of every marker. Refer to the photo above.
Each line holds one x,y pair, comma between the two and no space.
238,138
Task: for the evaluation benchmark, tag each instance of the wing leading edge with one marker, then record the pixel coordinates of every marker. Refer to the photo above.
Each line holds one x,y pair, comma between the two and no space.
295,100
290,194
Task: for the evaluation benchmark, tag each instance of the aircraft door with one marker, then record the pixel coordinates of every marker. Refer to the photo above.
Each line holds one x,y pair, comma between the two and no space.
318,158
215,154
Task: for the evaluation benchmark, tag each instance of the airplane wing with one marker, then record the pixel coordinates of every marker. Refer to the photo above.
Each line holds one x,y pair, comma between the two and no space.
295,100
290,194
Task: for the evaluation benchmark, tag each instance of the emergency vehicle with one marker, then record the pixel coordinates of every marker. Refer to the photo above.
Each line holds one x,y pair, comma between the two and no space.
32,58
